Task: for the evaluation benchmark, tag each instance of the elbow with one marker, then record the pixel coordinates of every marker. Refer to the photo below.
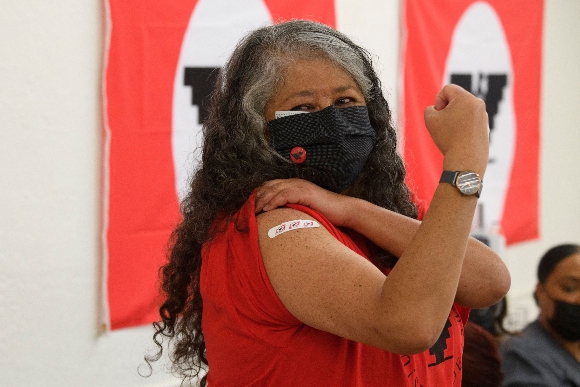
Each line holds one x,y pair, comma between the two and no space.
419,343
485,286
500,285
487,293
504,286
409,339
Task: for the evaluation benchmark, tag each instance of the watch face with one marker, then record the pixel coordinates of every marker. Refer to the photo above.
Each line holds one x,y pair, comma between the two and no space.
468,183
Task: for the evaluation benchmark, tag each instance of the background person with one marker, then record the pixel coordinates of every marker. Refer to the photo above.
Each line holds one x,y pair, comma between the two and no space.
325,278
547,352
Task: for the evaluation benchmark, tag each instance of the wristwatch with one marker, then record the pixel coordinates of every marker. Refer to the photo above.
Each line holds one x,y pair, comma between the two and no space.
467,182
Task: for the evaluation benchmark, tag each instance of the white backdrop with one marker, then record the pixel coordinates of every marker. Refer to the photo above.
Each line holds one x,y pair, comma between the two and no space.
50,141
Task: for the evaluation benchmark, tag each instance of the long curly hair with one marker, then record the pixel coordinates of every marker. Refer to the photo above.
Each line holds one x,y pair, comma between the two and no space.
237,157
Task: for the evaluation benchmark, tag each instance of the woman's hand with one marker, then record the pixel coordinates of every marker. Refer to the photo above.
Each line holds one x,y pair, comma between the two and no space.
278,193
458,124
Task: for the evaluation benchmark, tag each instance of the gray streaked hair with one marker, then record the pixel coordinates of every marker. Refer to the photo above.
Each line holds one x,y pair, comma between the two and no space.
277,46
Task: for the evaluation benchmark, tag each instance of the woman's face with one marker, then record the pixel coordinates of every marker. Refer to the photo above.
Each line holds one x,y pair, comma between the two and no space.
562,284
312,85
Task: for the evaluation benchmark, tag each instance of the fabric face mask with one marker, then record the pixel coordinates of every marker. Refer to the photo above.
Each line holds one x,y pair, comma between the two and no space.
566,320
329,147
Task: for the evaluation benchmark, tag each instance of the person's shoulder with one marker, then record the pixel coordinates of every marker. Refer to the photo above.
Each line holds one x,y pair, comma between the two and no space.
532,343
517,347
531,359
527,339
290,221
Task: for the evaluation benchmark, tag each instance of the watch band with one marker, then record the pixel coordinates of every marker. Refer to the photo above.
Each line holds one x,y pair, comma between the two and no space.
449,177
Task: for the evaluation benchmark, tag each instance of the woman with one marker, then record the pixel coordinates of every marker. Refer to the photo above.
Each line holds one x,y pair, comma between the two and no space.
547,352
277,274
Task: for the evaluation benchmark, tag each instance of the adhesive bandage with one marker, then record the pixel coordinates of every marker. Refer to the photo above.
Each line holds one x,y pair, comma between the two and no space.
291,225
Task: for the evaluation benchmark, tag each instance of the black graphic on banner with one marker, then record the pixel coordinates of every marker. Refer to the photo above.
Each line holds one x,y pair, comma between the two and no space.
202,81
489,88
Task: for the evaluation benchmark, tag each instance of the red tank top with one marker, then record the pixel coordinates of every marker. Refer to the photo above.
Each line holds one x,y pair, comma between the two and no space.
252,340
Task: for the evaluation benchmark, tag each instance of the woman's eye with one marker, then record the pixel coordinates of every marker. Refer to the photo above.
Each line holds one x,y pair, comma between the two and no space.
302,107
344,101
570,288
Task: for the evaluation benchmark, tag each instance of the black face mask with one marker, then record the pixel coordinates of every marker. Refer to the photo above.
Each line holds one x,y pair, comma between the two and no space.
329,147
566,320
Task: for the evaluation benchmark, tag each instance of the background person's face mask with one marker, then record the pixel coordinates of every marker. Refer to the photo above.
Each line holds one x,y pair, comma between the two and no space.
330,147
566,320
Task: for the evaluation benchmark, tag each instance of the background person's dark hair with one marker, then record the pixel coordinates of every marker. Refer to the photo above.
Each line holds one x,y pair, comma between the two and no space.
237,158
492,318
552,257
481,365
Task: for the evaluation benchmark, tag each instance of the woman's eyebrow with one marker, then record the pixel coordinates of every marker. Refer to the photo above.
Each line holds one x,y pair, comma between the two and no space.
302,93
571,278
345,88
311,93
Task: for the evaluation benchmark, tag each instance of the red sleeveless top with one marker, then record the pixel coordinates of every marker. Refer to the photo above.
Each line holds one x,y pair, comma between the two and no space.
252,340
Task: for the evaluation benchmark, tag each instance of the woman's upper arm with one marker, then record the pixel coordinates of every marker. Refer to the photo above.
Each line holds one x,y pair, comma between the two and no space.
320,281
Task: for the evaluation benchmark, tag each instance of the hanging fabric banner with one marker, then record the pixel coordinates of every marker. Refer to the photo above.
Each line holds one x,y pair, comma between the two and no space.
492,49
160,64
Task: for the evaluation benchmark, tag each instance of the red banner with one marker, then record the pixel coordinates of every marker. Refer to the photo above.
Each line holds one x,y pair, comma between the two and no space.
493,49
160,64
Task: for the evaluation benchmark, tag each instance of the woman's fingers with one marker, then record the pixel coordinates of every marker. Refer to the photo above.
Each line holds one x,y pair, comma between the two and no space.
458,125
277,193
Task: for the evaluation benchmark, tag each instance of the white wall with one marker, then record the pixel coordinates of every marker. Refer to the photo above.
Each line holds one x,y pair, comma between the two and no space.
50,123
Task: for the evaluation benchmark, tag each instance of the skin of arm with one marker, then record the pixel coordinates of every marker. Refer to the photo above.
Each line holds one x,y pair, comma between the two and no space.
484,278
326,285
